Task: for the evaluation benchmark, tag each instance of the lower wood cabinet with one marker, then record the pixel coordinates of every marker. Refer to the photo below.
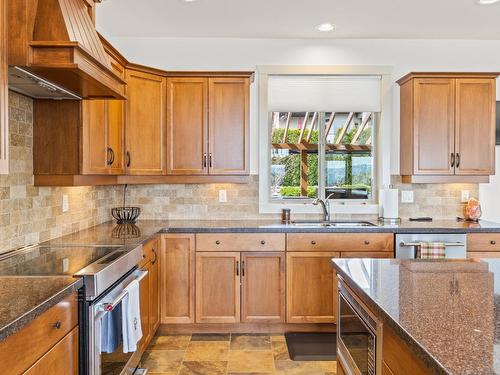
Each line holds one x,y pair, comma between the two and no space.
483,245
150,292
177,278
41,347
233,287
218,287
62,359
263,287
311,287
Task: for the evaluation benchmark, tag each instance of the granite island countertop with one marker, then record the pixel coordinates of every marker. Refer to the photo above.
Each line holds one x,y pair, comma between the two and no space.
452,330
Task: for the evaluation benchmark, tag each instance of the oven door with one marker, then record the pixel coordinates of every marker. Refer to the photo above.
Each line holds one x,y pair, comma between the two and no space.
356,338
105,332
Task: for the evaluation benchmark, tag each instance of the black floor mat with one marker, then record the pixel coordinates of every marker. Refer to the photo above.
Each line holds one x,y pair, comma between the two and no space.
312,346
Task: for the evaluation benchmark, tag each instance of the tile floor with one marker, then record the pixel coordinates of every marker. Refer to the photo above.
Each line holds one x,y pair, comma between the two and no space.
225,354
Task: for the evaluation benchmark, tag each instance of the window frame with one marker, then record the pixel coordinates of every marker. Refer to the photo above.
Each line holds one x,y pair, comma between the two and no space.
381,155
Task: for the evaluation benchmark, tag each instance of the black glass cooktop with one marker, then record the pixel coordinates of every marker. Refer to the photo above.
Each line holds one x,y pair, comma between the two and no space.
59,260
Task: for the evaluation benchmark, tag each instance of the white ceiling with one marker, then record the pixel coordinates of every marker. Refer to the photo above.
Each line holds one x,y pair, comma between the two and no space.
430,19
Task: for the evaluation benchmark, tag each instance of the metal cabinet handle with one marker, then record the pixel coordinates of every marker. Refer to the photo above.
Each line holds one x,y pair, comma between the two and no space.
458,159
156,256
452,160
205,160
243,268
367,242
217,242
129,159
237,268
493,242
57,325
210,160
313,242
263,242
108,156
112,156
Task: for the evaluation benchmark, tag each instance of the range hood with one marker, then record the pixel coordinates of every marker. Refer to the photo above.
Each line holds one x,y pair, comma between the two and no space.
27,83
53,44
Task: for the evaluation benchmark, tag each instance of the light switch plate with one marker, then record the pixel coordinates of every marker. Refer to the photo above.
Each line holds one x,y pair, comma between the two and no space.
465,195
406,196
65,203
222,196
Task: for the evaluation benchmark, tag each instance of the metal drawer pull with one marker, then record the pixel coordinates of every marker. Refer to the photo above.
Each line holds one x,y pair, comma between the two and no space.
493,242
262,242
313,242
110,306
367,242
57,325
418,244
217,242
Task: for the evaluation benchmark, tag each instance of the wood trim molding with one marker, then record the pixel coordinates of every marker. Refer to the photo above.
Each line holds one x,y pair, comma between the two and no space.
413,75
74,180
431,179
182,179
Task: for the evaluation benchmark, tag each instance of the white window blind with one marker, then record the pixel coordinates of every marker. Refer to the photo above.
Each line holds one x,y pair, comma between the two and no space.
303,93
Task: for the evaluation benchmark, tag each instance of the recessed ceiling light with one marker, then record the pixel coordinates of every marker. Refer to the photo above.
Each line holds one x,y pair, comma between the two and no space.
487,2
327,27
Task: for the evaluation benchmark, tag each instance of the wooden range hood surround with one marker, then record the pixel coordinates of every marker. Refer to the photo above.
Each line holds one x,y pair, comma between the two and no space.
57,40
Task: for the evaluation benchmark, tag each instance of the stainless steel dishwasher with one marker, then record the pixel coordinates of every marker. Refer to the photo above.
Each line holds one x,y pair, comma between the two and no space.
456,244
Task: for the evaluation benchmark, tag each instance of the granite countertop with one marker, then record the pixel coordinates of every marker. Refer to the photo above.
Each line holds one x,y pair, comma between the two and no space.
452,332
23,298
112,234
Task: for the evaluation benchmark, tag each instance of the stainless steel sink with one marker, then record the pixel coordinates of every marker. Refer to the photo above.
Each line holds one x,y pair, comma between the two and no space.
338,224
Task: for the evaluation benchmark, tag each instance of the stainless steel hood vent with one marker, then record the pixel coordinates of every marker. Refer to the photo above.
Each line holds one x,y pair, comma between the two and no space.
27,83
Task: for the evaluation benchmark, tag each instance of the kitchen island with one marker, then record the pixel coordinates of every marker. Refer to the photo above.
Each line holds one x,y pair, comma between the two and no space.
432,316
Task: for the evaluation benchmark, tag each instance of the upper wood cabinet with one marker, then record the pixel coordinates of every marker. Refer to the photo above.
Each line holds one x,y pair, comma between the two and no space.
4,93
187,126
447,127
228,126
145,152
207,126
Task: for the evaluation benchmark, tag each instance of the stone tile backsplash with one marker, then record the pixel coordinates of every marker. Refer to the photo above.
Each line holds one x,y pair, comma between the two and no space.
34,214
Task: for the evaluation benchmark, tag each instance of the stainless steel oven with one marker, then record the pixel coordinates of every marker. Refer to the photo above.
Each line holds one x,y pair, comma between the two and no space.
110,360
358,345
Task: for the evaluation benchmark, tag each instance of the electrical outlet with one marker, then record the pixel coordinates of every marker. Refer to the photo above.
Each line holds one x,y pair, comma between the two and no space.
65,203
65,264
465,195
222,196
406,196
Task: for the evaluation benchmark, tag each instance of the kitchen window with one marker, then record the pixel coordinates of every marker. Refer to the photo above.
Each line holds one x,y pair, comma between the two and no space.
320,154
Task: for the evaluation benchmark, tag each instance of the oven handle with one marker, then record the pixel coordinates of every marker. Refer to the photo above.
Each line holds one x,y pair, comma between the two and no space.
110,306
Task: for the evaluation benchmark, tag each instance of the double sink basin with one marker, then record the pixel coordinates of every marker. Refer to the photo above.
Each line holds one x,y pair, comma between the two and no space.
337,224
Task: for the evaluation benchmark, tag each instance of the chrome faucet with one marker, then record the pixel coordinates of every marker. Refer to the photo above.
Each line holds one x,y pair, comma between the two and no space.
325,205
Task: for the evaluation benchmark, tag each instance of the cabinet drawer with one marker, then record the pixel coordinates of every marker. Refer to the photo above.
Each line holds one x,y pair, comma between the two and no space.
62,359
240,242
483,242
340,242
22,349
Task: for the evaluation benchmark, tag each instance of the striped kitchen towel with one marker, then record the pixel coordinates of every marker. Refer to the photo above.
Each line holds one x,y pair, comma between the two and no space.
431,250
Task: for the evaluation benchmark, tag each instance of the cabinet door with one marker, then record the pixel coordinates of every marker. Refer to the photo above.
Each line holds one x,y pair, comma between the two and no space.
4,94
94,137
145,124
263,287
116,135
218,287
144,301
62,359
475,126
154,290
311,287
228,126
177,278
434,112
187,126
